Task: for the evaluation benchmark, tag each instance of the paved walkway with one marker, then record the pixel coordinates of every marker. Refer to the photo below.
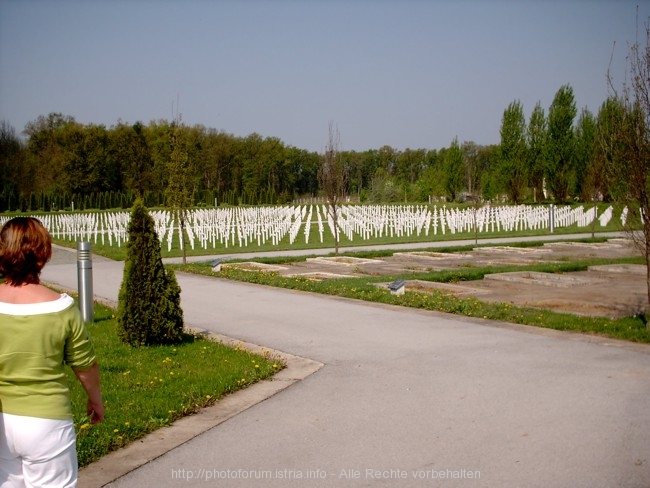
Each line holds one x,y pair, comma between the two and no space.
405,398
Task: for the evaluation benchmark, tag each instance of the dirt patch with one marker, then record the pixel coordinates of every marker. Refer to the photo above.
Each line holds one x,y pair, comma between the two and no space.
343,260
580,308
561,280
608,291
320,276
451,288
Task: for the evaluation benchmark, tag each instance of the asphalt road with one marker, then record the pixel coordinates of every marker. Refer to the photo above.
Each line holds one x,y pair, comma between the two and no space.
407,398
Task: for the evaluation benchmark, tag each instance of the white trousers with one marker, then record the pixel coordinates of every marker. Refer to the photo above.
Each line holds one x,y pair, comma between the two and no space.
37,452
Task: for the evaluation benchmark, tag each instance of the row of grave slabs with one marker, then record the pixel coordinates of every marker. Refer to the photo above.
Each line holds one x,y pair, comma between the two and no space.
608,291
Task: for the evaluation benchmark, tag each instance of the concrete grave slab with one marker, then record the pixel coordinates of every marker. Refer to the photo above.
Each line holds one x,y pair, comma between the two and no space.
639,269
253,266
545,279
344,260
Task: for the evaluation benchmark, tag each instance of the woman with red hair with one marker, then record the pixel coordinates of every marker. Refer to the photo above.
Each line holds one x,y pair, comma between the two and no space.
41,332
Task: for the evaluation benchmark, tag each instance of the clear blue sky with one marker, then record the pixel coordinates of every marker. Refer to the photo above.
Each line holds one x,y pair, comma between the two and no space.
403,73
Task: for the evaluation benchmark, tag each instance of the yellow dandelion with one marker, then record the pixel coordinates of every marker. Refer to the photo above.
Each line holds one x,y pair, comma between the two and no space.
115,431
84,427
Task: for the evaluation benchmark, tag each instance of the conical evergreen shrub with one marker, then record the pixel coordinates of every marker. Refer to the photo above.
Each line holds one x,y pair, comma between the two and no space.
149,307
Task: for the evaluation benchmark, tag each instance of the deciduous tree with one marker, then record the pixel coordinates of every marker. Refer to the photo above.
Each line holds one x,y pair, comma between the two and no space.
608,149
512,161
628,166
12,163
560,154
454,170
333,179
471,158
179,186
130,153
585,154
87,167
45,151
535,156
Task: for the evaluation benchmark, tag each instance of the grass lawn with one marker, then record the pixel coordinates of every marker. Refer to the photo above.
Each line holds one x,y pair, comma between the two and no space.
147,388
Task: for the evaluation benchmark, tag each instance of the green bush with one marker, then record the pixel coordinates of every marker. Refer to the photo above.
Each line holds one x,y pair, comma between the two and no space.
149,310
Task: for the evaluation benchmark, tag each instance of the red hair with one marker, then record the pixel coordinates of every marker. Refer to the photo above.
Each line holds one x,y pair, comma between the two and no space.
25,247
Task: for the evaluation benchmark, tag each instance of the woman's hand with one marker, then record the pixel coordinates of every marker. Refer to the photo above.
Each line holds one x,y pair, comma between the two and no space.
95,411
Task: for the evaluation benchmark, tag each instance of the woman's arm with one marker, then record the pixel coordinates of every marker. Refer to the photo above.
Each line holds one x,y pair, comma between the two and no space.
90,381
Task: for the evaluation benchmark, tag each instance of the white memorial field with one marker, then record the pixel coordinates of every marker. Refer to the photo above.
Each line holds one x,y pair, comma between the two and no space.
243,226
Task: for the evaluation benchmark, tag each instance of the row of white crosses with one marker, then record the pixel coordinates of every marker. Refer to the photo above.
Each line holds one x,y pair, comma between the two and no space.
372,221
243,226
240,227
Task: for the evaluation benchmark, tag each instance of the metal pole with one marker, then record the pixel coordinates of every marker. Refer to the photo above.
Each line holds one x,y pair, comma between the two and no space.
552,218
85,281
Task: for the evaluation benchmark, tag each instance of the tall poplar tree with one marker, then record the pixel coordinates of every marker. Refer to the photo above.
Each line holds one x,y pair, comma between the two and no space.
454,170
585,154
512,162
535,156
600,177
179,191
561,143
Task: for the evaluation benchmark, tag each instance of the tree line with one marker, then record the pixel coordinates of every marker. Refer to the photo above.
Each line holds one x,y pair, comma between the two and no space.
60,163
